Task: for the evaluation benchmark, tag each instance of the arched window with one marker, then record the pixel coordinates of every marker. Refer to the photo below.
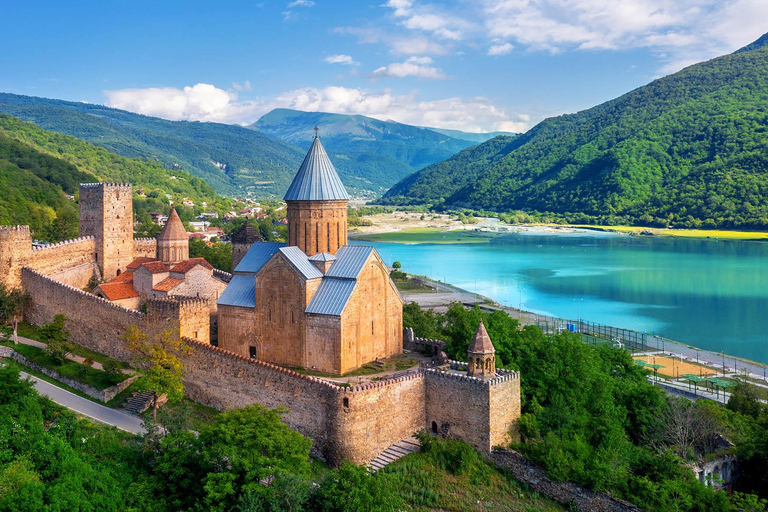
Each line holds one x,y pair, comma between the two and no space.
434,427
118,271
346,402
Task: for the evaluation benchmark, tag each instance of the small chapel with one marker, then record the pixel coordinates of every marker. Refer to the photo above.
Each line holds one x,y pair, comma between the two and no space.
314,302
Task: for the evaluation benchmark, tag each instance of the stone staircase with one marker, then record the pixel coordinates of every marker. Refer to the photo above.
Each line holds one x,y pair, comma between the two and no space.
394,452
139,402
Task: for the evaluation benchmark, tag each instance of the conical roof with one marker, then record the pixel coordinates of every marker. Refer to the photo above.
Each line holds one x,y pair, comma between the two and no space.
173,229
317,179
481,343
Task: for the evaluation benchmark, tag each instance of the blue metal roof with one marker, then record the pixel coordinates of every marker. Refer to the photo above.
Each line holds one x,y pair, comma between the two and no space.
299,260
257,256
317,179
323,256
241,291
349,261
331,296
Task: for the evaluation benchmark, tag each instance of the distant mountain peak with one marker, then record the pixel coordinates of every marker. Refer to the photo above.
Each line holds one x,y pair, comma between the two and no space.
759,43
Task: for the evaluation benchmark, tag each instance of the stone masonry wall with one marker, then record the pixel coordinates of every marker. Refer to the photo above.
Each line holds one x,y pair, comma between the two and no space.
79,276
144,247
57,257
93,322
224,380
374,416
479,412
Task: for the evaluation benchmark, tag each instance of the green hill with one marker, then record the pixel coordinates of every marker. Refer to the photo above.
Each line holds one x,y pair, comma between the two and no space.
367,152
689,149
38,168
230,158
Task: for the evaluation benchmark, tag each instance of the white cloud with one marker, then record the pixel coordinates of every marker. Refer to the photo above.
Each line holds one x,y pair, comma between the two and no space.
204,102
414,66
201,102
429,18
469,114
417,46
301,3
500,49
245,86
678,31
341,59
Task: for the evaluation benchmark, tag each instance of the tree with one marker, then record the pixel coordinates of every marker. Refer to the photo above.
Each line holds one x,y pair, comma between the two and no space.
397,265
158,357
12,305
56,338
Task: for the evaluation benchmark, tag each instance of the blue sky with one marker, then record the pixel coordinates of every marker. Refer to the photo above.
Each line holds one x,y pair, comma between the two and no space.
473,65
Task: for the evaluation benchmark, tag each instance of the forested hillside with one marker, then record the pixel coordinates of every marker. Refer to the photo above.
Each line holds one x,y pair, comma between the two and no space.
38,167
230,158
688,150
367,152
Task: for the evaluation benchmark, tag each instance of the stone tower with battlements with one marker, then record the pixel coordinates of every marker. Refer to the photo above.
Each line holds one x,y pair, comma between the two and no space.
242,240
317,205
15,253
106,213
173,241
481,356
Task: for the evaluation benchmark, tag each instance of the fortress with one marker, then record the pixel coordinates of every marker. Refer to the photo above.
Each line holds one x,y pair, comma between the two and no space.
314,303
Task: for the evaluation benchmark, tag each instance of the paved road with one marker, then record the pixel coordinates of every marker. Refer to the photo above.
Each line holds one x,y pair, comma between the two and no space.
80,405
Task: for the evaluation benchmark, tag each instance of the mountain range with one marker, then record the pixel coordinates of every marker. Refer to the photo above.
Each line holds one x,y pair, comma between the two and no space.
368,152
370,155
40,171
689,149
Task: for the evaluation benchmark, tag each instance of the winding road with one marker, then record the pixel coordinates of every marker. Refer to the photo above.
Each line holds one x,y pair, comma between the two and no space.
119,419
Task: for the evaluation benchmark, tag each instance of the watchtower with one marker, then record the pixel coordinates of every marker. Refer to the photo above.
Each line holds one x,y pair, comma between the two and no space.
242,240
106,213
481,355
15,253
317,205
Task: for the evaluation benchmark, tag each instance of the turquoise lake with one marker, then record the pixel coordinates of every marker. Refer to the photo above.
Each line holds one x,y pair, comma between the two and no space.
707,293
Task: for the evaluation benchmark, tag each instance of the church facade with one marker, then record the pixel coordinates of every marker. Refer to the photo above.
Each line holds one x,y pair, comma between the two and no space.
315,302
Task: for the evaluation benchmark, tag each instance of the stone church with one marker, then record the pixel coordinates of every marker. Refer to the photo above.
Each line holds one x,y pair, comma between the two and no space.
315,302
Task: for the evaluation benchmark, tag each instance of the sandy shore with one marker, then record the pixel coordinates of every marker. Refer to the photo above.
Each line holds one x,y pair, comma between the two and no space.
399,221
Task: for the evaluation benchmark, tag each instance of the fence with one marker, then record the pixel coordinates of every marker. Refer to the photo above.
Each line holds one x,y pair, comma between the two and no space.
598,334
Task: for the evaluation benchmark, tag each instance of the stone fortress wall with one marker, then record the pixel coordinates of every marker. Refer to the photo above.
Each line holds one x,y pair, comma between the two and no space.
345,423
144,247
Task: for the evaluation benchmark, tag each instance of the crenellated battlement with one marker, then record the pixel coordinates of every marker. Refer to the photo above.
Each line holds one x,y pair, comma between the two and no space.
63,243
263,364
53,284
111,185
14,230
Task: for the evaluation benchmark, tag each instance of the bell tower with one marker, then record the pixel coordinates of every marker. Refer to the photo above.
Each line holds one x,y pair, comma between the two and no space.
173,241
481,355
317,205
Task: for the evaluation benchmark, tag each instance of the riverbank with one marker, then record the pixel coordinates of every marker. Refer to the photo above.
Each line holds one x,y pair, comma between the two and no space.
428,228
675,359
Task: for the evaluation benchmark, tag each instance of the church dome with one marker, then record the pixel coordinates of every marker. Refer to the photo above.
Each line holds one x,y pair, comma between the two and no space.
317,179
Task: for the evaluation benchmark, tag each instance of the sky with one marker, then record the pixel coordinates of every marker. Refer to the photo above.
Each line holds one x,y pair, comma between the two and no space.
473,65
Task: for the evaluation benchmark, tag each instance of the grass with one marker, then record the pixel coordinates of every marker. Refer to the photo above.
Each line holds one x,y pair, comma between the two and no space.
50,380
27,330
396,363
184,415
413,285
683,233
429,236
451,475
76,371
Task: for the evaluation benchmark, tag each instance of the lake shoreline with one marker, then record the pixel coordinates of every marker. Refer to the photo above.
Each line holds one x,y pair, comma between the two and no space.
413,229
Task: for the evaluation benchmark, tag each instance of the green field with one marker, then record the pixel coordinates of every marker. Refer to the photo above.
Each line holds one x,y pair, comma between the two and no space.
428,236
682,233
